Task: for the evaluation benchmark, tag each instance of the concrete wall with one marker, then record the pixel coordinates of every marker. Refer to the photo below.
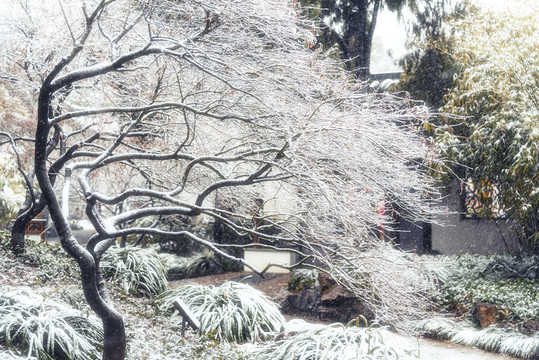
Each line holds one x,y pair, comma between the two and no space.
459,235
260,258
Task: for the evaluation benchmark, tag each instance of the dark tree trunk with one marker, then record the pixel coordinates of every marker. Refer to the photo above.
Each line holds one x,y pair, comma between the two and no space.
355,42
115,340
123,241
17,235
25,215
92,285
33,207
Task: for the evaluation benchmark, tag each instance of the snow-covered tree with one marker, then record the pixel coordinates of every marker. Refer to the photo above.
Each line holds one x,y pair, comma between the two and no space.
204,108
12,188
496,139
15,149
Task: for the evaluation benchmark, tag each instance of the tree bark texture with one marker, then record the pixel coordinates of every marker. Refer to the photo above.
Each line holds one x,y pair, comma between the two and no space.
113,325
33,207
17,234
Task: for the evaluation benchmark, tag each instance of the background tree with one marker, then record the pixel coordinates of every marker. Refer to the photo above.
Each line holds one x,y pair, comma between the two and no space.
189,101
429,68
495,139
13,152
351,23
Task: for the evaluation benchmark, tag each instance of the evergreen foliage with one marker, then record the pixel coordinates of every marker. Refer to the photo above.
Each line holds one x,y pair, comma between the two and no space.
484,76
303,279
501,340
50,261
12,189
497,91
198,264
463,281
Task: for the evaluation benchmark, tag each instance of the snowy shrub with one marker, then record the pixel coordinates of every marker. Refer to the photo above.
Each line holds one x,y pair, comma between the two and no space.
198,264
232,311
138,271
501,340
46,328
495,140
50,260
466,280
303,279
335,342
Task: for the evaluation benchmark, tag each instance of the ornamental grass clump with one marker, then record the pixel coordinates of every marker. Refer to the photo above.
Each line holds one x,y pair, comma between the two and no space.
334,342
233,311
198,264
47,329
505,341
139,271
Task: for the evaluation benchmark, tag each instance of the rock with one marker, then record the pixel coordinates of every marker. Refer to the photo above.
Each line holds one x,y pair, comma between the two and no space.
489,314
325,282
339,304
286,299
329,302
529,327
335,295
344,311
308,300
303,302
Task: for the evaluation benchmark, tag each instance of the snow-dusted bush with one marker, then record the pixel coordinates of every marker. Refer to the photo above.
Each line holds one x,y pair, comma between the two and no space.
46,328
502,340
303,279
496,134
232,311
198,264
334,342
139,271
466,280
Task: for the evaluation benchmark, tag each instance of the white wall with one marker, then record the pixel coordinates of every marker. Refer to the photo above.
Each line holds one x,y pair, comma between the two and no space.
260,258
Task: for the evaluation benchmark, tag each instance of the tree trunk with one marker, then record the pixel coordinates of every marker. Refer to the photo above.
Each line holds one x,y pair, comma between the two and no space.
17,235
32,207
115,340
360,50
356,41
123,241
24,217
113,325
93,285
